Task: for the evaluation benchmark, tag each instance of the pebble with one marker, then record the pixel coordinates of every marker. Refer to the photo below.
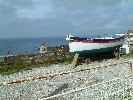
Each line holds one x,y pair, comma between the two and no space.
42,88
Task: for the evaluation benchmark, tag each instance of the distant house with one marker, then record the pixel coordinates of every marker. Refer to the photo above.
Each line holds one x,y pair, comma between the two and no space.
43,48
130,33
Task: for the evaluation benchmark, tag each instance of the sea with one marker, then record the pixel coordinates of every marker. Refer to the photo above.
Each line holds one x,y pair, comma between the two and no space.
16,46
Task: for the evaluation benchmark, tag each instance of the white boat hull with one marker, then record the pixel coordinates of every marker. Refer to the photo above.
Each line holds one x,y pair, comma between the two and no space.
93,48
85,46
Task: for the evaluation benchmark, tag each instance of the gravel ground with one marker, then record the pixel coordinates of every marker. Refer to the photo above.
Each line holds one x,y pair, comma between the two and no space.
46,87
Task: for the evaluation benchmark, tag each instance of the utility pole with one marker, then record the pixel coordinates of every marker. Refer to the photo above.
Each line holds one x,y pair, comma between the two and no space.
9,49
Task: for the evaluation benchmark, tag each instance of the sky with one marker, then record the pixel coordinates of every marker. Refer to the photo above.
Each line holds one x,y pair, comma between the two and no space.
57,18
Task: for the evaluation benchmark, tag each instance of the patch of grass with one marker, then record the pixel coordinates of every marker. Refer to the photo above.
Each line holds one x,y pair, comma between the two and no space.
10,68
128,55
69,60
13,68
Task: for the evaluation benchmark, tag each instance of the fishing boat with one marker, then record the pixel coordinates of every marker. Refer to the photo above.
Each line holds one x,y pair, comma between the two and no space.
98,45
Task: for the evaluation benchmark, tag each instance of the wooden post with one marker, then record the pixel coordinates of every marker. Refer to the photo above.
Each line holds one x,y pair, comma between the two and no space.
131,70
75,60
87,61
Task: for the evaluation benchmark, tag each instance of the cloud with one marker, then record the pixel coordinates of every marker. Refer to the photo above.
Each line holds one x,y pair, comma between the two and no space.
84,4
21,18
39,9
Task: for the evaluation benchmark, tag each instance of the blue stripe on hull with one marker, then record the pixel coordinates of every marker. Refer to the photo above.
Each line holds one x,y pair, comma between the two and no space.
95,51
